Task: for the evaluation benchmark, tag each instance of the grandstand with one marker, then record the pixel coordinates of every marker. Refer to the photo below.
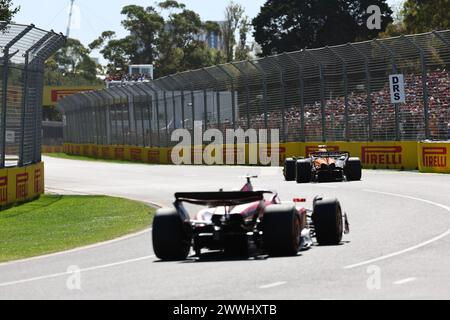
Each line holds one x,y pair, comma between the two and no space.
338,93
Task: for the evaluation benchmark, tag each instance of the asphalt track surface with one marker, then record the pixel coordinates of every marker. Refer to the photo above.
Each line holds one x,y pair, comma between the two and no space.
398,247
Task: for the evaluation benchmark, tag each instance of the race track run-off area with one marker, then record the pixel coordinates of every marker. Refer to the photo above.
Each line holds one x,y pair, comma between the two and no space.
398,246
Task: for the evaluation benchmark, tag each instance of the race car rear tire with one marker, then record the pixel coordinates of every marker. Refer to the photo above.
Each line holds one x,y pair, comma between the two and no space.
303,171
327,220
289,169
353,170
281,230
170,239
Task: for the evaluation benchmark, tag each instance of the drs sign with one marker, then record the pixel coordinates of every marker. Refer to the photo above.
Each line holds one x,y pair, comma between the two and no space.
397,86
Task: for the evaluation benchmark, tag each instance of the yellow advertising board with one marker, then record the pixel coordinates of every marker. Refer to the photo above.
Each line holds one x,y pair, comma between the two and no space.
52,94
21,184
434,156
35,180
3,187
403,155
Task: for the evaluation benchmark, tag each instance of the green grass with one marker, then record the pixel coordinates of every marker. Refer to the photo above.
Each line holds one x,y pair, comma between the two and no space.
54,223
84,158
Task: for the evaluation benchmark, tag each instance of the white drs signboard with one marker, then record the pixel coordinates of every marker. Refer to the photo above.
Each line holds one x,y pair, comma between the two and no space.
397,86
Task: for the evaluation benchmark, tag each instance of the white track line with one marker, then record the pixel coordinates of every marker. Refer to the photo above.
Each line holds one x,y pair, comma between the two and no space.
55,275
271,285
446,233
404,280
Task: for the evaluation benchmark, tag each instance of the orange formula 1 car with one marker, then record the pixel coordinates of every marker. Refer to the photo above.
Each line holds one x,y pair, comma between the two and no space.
323,166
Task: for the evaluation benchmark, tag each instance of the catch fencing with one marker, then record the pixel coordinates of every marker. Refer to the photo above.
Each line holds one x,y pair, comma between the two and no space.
338,93
24,51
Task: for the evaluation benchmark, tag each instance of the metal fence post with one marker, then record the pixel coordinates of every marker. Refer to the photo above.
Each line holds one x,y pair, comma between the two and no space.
368,88
181,86
192,98
157,111
283,97
301,94
261,71
322,94
394,71
233,102
423,65
138,87
247,91
345,78
6,57
206,70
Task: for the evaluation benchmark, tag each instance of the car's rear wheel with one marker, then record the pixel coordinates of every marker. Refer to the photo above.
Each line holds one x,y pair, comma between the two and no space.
353,169
289,169
303,171
170,239
281,230
327,220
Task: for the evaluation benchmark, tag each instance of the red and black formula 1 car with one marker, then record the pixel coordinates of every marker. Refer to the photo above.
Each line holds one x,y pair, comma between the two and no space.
245,223
323,166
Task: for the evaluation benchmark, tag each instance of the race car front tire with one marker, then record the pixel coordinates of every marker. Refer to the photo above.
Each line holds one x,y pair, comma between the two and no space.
303,171
289,169
170,239
281,230
353,170
327,220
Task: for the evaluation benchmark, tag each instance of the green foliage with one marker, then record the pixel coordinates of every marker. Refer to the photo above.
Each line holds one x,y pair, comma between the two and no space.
7,12
71,65
290,25
171,44
234,14
424,16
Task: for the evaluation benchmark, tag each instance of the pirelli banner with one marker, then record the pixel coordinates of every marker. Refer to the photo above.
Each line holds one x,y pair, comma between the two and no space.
21,184
375,155
401,155
52,94
434,156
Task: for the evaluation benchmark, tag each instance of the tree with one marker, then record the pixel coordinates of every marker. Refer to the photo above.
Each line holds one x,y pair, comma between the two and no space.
243,49
233,19
173,44
144,26
7,12
290,25
70,65
424,16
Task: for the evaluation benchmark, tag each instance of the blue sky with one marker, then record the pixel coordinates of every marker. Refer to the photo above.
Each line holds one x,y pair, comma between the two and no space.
92,17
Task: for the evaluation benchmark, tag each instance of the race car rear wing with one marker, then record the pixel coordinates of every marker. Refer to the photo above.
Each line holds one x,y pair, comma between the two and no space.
221,198
336,154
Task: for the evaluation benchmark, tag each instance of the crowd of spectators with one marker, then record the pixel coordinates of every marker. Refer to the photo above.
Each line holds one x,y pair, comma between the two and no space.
128,77
410,114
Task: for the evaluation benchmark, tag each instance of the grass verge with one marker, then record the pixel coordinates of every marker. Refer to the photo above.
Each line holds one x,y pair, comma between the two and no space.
55,223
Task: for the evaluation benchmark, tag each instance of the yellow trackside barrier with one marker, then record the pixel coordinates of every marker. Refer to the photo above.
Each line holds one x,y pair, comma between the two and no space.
434,156
53,149
403,155
21,184
3,187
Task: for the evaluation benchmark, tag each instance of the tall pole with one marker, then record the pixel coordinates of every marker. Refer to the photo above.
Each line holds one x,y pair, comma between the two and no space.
70,19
